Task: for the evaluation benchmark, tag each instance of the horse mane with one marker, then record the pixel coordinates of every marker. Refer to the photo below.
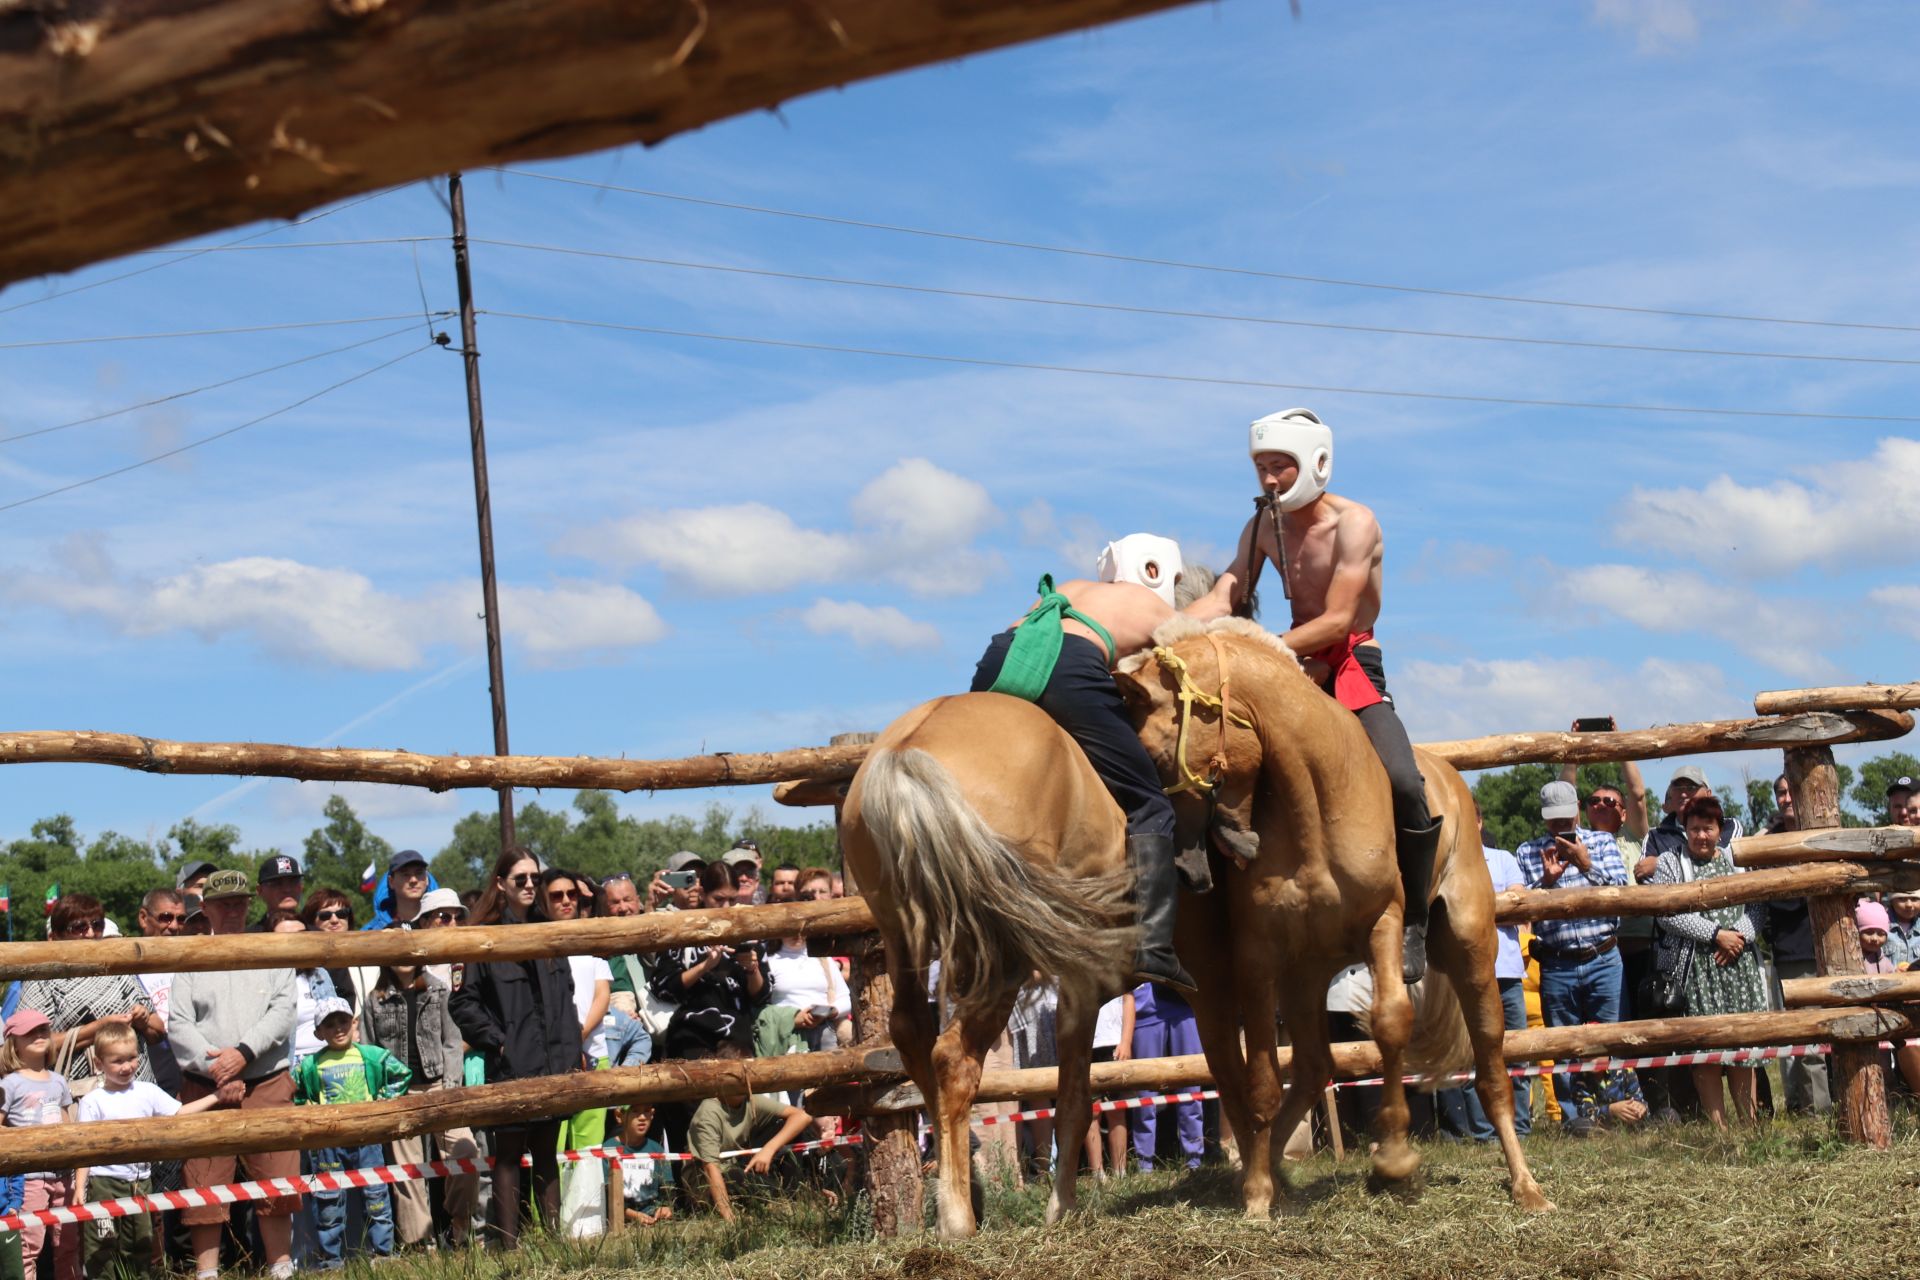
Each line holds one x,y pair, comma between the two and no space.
1181,627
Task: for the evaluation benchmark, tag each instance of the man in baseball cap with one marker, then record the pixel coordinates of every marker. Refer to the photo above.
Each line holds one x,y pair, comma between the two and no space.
744,859
1899,801
193,875
281,883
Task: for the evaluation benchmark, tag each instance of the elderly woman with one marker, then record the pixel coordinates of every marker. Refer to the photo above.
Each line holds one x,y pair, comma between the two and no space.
77,1008
1724,974
331,911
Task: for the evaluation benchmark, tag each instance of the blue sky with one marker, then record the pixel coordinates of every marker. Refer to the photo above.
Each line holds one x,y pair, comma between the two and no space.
710,545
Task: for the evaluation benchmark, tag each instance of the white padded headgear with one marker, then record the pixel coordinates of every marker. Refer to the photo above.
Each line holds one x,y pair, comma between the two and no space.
1300,435
1145,559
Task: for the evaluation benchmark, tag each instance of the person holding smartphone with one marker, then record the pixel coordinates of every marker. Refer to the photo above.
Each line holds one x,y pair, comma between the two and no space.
1579,959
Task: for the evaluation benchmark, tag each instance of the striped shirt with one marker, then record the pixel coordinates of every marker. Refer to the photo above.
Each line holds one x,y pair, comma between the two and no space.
1608,869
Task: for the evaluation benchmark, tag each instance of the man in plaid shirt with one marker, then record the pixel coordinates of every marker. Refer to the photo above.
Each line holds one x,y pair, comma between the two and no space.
1579,959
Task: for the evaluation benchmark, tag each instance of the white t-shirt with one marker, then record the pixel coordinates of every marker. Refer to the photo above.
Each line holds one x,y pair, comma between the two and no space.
159,988
306,1041
588,970
801,981
1106,1025
138,1101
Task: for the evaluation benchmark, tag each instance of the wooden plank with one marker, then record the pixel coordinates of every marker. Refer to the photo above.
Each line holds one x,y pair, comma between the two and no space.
1361,1058
1861,1084
137,125
1514,906
1831,844
226,1132
1860,988
605,936
1849,697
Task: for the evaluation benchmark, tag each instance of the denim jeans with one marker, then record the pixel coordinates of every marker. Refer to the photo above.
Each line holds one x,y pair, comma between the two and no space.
1573,995
1513,998
331,1210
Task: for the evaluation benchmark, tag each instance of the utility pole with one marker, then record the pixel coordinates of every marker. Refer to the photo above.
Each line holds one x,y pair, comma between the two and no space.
482,503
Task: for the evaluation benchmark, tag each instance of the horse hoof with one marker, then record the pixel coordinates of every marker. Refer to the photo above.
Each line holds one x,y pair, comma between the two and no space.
1532,1201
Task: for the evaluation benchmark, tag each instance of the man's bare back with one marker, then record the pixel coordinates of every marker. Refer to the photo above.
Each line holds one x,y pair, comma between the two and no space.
1334,551
1131,613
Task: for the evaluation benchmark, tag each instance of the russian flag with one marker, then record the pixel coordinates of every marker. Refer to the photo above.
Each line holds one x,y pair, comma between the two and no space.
368,879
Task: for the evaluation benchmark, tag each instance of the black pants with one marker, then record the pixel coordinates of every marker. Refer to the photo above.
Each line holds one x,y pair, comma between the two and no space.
1083,699
1390,743
516,1189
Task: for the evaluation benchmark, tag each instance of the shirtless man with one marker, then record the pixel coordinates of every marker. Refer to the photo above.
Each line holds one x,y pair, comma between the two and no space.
1328,553
1060,657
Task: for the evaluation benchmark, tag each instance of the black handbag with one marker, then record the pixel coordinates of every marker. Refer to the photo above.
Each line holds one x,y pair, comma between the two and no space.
1663,992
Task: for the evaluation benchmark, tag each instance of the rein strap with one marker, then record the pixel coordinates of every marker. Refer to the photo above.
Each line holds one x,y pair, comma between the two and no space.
1189,694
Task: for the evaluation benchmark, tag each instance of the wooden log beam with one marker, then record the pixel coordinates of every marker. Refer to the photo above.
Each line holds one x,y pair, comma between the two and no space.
313,950
1830,844
1516,906
1361,1058
1848,697
436,773
1503,749
226,1132
1861,1085
1860,988
128,126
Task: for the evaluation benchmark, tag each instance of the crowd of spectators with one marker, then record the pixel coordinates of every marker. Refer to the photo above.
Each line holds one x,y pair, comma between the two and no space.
117,1047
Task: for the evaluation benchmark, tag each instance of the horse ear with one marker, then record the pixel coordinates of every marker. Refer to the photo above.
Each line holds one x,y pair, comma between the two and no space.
1137,692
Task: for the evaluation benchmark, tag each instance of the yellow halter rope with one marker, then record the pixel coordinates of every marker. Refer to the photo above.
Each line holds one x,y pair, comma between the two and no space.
1189,694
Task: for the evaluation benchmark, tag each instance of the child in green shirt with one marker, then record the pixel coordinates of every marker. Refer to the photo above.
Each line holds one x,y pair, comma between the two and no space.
346,1072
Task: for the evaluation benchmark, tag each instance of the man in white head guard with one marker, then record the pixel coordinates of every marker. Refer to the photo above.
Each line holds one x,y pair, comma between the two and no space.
1328,550
1060,657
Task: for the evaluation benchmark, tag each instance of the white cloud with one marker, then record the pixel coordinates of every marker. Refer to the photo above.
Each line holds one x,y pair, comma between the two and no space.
1902,605
1658,26
1787,635
1866,510
1470,699
915,524
331,617
869,625
370,800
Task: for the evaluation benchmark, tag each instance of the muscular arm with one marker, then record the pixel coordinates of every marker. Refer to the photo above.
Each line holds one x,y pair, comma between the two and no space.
1354,548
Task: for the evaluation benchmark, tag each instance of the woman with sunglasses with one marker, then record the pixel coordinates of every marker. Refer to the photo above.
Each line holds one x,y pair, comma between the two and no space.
331,911
77,1008
566,896
520,1016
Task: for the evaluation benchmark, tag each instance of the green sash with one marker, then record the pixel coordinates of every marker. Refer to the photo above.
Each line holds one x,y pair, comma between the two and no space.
1036,644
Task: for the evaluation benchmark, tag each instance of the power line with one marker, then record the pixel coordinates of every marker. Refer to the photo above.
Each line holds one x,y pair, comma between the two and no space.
1207,380
1138,260
286,244
195,253
206,333
218,435
211,386
1128,309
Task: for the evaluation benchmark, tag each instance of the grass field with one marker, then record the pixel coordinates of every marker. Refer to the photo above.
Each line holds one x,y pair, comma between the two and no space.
1781,1203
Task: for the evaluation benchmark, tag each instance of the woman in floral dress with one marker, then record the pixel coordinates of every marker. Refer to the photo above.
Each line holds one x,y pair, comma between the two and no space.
1725,974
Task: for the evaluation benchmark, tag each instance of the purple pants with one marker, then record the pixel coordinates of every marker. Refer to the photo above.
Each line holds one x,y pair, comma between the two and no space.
1166,1037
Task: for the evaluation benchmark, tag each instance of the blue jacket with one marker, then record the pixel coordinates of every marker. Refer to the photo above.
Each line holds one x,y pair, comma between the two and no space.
383,902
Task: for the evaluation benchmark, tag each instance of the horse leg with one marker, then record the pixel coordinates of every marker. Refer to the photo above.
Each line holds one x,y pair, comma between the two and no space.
1073,1100
1257,1007
1216,1013
1394,1159
957,1056
1467,963
1304,1005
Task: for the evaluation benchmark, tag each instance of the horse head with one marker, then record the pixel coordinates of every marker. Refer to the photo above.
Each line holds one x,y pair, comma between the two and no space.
1188,696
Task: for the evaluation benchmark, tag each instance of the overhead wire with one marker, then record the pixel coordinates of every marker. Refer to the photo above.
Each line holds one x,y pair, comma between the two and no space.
1216,268
1178,313
218,435
1209,380
207,333
287,244
189,255
211,386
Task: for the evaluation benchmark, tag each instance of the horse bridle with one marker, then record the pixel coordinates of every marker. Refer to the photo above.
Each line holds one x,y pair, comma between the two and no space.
1190,693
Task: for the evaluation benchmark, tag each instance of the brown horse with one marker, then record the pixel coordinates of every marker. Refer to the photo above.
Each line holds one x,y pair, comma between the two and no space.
1295,793
982,837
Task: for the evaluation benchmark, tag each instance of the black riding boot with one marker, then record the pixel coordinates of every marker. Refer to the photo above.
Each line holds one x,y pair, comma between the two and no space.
1155,892
1415,850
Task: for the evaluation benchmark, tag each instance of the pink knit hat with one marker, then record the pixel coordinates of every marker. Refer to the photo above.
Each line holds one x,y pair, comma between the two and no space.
1870,915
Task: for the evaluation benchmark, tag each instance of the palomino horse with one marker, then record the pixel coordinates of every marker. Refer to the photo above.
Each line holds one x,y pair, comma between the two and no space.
1296,793
982,837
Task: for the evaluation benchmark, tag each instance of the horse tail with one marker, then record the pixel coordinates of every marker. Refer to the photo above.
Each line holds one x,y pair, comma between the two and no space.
967,897
1440,1046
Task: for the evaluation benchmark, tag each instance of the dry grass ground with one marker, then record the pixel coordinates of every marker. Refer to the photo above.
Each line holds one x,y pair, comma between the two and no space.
1784,1203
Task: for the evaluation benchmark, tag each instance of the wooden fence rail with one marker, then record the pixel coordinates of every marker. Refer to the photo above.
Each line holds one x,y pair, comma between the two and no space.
1852,697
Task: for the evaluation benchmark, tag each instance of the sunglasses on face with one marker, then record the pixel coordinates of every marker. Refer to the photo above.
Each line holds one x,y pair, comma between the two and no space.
1603,802
334,913
87,926
443,917
165,917
524,877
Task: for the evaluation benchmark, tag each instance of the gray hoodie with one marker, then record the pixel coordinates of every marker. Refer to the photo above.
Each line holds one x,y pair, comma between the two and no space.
248,1009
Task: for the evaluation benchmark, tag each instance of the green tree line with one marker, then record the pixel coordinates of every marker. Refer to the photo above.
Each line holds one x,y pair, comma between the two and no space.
591,836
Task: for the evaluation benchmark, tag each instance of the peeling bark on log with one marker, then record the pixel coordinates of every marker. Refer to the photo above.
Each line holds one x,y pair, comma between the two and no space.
436,773
1356,1059
1861,1097
226,1132
604,936
1851,697
172,118
1866,988
1832,844
1514,906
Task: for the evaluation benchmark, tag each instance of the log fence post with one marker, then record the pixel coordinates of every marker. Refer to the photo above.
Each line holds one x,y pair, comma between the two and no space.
1860,1096
893,1181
